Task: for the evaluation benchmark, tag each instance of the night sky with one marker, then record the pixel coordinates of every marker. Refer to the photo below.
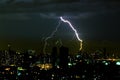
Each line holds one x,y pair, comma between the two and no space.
94,21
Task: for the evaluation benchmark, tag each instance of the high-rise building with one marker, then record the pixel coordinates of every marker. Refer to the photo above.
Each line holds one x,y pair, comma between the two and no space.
54,56
63,57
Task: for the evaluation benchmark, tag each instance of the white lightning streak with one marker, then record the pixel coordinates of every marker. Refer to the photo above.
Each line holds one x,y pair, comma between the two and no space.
76,33
45,45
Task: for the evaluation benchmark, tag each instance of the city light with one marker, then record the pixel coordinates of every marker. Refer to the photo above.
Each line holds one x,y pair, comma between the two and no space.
118,63
45,66
7,69
20,69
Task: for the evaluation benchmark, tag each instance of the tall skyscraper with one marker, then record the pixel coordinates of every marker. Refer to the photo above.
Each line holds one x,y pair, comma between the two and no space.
54,56
63,57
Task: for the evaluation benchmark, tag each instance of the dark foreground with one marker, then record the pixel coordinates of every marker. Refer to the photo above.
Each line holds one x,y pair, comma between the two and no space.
82,70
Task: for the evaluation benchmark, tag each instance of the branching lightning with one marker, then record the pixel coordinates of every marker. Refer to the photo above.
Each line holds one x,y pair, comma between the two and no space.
52,34
59,42
76,33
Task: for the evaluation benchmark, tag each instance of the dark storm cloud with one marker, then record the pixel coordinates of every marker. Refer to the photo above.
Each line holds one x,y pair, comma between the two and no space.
78,9
51,15
92,20
14,16
22,25
78,15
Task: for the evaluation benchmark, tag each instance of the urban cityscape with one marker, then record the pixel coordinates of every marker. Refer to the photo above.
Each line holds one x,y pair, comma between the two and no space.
59,40
58,65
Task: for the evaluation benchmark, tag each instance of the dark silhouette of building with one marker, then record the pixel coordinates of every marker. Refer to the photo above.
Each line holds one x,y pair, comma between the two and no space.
104,53
54,56
63,57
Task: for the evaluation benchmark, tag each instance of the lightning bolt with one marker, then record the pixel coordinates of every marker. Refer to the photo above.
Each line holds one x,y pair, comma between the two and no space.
45,45
76,33
59,42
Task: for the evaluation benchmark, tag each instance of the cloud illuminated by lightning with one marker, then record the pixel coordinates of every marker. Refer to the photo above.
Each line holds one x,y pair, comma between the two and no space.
52,34
76,33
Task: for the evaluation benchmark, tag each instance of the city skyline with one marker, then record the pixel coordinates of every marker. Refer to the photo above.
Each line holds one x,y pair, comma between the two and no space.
59,40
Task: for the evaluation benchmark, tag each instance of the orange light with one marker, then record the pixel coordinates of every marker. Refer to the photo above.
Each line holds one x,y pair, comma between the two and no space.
7,69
